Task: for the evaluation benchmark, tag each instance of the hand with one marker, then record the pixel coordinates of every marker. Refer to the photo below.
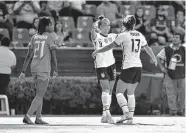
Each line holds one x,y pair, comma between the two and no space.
22,77
164,70
55,74
95,25
94,54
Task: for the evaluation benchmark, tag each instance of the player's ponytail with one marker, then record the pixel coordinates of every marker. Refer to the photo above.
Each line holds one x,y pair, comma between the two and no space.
43,23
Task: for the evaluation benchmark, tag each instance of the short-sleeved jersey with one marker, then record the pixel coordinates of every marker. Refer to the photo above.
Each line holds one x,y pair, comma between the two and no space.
41,45
131,43
104,59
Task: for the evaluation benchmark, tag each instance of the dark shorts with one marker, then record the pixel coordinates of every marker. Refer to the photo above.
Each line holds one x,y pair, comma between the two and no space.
108,73
4,81
131,75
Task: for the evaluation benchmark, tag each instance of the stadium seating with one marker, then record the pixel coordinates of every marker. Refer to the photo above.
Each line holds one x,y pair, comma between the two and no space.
68,23
91,8
81,36
85,22
127,9
21,36
10,7
4,32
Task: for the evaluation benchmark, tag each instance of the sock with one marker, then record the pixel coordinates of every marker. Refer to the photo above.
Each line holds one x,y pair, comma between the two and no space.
110,100
122,103
105,102
131,104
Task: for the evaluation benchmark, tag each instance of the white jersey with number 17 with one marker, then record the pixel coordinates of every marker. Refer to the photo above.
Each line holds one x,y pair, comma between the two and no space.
131,43
104,59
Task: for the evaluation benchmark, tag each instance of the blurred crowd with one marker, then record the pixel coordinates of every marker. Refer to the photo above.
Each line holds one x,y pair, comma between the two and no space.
157,20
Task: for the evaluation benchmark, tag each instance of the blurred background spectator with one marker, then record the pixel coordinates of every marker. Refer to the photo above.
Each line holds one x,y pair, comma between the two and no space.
110,11
178,25
62,35
25,12
5,20
33,30
160,27
141,23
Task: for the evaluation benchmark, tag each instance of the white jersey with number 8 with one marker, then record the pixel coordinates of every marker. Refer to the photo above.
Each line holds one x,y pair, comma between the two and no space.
131,43
104,59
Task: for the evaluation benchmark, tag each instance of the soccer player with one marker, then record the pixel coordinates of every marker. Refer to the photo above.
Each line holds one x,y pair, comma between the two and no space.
42,54
104,64
131,42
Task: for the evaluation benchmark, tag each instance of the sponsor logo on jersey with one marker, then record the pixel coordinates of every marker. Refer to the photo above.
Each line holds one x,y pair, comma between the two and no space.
106,41
110,39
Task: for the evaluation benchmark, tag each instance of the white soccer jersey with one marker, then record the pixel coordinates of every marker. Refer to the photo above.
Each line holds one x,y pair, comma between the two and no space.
131,43
104,59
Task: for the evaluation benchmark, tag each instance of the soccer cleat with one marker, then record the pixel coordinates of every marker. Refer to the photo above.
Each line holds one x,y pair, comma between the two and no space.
103,119
130,121
27,120
40,121
125,118
109,119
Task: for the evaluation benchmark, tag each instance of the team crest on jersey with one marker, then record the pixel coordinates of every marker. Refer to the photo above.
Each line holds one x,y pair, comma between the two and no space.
106,41
102,75
110,39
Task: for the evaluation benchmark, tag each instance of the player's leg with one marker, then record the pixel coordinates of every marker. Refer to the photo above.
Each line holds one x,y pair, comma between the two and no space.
41,87
131,90
112,75
104,82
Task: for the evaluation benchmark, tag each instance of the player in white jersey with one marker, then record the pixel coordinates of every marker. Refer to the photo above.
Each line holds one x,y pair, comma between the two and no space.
131,42
104,64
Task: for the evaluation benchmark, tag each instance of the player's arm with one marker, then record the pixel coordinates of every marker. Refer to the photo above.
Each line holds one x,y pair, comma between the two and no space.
107,48
29,57
118,41
150,53
53,48
93,31
54,60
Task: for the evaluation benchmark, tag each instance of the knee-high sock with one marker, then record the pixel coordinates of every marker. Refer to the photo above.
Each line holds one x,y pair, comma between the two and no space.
122,102
131,104
105,102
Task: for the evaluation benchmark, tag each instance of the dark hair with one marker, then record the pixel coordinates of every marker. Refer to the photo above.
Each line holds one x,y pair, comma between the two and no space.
136,16
43,23
130,23
34,22
5,41
100,21
181,36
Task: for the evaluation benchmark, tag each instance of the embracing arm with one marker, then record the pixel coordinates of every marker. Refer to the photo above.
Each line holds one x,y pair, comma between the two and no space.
108,47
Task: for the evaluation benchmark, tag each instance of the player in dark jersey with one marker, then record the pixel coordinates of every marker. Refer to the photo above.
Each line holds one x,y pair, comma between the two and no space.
42,54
